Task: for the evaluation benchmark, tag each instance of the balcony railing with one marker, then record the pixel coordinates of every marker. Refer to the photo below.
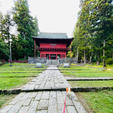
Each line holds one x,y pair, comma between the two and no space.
53,49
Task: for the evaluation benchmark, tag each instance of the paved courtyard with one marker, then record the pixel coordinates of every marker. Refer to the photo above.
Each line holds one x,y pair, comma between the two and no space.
45,101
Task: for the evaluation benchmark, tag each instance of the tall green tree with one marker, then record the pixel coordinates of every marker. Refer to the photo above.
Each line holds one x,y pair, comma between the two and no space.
5,35
94,29
26,27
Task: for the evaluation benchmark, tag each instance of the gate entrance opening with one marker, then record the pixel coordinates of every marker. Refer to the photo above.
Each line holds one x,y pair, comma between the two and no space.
53,56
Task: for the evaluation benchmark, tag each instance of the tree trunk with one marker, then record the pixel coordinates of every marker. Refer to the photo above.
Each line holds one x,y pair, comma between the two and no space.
90,60
98,61
84,56
104,63
91,54
77,53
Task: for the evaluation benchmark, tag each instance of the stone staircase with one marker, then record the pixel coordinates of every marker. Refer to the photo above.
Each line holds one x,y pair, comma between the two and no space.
52,62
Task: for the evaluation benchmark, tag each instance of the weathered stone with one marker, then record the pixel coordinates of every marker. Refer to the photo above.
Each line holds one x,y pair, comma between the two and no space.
43,105
6,109
79,107
33,107
15,108
71,109
38,97
38,65
16,99
66,65
52,108
23,109
43,111
68,101
27,101
60,102
45,95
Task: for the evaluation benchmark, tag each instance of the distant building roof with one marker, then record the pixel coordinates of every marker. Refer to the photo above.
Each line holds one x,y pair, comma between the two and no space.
44,35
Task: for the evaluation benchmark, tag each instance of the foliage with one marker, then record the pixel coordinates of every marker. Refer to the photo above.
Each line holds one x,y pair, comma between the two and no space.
5,26
93,28
26,25
3,50
109,61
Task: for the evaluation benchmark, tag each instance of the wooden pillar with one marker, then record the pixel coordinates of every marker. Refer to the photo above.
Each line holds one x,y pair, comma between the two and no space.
44,55
49,56
56,56
34,48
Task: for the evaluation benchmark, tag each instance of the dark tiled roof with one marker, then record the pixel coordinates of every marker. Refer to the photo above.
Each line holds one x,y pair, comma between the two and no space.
44,35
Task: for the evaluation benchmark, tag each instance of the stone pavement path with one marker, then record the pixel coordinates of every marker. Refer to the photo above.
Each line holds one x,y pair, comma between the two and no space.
45,101
48,79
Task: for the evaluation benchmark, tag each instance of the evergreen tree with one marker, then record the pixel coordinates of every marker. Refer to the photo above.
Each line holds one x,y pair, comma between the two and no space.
26,27
5,35
94,29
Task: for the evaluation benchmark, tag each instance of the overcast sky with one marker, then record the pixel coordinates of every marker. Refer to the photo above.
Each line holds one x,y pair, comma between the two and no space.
53,15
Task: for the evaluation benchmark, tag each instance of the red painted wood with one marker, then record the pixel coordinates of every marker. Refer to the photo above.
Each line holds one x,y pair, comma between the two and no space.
45,45
50,53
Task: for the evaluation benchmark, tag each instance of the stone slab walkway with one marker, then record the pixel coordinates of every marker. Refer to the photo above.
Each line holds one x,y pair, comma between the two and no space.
48,79
46,101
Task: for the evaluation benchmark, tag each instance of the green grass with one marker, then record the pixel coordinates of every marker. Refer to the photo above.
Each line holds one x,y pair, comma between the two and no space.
91,83
87,71
9,83
99,102
4,99
18,69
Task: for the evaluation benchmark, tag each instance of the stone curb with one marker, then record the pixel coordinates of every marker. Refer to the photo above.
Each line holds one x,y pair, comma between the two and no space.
89,79
91,89
15,91
16,76
37,90
21,72
77,89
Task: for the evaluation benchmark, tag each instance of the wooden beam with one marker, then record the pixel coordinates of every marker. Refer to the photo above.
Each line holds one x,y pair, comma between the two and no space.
34,48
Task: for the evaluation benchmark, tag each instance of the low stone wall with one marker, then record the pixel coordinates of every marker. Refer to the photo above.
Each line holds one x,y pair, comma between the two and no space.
33,60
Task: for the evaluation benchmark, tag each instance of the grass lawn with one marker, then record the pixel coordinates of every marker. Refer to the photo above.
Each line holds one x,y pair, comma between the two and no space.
91,83
18,69
99,102
4,99
87,71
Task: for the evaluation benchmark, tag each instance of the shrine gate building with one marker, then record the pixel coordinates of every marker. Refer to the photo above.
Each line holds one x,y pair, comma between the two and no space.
52,45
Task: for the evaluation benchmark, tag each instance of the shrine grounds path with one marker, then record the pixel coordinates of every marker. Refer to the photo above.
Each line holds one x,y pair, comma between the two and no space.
45,101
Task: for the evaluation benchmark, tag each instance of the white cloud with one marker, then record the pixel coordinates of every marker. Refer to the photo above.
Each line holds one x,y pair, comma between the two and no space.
6,5
55,15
